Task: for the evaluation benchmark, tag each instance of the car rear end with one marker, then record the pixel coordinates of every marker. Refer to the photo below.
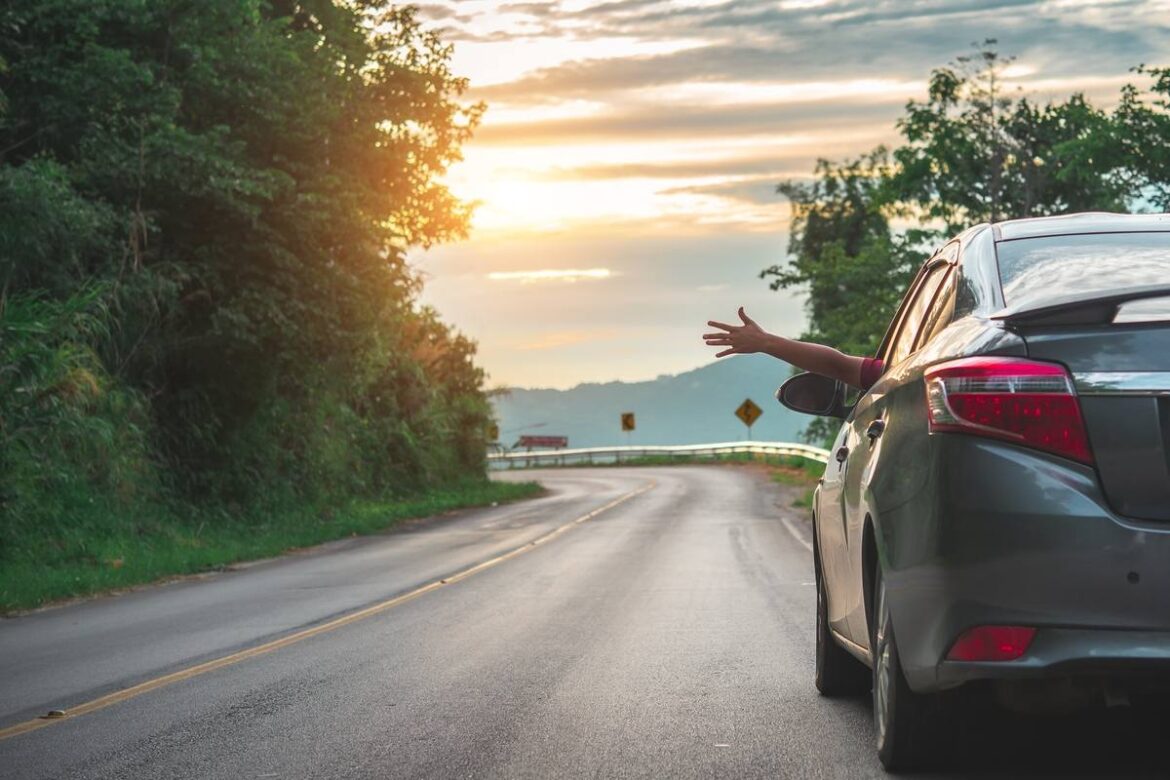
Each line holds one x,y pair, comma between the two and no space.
1051,478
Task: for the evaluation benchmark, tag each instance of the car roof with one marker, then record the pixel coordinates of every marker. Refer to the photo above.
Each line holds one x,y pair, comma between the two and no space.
1073,224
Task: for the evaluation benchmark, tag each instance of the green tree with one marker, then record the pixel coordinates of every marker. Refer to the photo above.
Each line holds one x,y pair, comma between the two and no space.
239,180
1141,125
842,251
972,152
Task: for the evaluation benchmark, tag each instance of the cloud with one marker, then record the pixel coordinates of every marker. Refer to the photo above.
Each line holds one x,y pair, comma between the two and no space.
743,18
437,12
760,190
548,9
551,275
638,143
658,123
796,164
746,40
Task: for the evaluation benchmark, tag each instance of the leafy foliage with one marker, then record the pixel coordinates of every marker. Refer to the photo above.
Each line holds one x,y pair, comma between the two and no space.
1141,125
842,251
204,213
69,431
974,154
971,153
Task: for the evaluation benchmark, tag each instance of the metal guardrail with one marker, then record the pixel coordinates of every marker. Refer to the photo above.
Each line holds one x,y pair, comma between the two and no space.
618,454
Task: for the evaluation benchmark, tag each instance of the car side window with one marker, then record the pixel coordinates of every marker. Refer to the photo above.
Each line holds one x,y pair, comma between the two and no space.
886,350
942,311
915,314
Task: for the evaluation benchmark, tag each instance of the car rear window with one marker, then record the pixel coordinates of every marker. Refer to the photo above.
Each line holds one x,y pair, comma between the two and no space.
1033,270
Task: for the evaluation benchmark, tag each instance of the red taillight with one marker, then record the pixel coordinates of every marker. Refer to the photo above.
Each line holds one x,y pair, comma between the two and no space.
1022,401
992,643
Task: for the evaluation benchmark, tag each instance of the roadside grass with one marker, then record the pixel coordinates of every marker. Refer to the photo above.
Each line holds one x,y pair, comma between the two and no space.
105,552
800,473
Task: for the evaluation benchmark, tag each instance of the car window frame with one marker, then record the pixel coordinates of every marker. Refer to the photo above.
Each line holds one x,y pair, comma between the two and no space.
977,284
930,327
948,254
928,270
896,322
932,270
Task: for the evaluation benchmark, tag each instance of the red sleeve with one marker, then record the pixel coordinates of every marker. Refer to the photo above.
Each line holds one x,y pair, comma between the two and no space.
871,371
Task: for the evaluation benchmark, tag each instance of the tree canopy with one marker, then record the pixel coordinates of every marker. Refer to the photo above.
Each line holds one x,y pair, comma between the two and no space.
204,208
972,152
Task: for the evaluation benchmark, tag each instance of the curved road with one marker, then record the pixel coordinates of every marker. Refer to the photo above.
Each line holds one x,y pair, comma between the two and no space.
669,635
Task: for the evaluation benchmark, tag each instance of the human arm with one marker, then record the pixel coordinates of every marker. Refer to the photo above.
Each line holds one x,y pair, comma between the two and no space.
819,359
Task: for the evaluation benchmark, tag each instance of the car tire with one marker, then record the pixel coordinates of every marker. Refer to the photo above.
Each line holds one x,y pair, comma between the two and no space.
838,673
913,730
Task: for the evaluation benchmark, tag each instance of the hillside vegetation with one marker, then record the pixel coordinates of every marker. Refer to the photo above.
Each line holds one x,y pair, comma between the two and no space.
206,318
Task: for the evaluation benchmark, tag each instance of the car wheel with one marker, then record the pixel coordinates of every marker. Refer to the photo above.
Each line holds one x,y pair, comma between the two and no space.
838,673
913,731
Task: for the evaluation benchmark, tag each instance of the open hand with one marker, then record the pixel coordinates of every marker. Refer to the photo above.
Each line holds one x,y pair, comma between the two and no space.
739,339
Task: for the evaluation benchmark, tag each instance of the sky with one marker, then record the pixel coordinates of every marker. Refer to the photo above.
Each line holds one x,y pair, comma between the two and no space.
626,167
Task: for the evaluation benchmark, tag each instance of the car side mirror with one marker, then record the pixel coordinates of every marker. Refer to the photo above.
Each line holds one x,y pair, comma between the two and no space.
814,394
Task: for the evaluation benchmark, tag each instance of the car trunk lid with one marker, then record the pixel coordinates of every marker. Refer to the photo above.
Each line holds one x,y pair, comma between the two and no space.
1119,356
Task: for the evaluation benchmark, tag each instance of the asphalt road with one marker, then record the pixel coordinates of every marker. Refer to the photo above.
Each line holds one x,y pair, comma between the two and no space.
669,636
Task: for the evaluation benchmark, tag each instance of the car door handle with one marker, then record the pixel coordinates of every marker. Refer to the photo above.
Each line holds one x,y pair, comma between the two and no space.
875,429
842,454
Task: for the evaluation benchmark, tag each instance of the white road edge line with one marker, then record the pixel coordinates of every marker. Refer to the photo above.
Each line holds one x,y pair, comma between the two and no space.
787,523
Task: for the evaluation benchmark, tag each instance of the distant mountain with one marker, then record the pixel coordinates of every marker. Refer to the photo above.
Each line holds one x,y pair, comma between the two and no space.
695,407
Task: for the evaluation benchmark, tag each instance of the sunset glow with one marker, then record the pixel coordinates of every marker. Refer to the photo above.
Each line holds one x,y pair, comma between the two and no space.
645,138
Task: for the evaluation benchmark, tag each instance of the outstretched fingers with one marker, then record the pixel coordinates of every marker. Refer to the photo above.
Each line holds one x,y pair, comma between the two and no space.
729,336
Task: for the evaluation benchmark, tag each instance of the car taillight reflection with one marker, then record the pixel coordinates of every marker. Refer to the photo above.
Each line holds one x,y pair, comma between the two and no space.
1023,401
992,643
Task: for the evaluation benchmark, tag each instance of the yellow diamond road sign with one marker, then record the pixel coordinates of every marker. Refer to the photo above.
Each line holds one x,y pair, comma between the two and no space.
627,421
748,412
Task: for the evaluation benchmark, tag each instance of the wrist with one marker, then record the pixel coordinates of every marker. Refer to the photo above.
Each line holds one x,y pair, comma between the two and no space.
773,345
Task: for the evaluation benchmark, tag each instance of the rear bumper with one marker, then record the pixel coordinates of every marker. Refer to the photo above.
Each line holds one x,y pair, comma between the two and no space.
1006,536
1072,652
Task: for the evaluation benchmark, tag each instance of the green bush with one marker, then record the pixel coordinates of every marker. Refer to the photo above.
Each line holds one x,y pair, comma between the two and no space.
206,315
74,442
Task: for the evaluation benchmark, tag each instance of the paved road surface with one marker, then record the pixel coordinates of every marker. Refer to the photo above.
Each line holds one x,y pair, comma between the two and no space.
670,636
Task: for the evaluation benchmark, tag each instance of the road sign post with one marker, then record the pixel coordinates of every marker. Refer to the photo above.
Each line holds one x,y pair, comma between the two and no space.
628,426
748,413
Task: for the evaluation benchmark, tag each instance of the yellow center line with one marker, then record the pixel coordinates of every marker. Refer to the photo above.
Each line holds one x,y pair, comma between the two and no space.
133,691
